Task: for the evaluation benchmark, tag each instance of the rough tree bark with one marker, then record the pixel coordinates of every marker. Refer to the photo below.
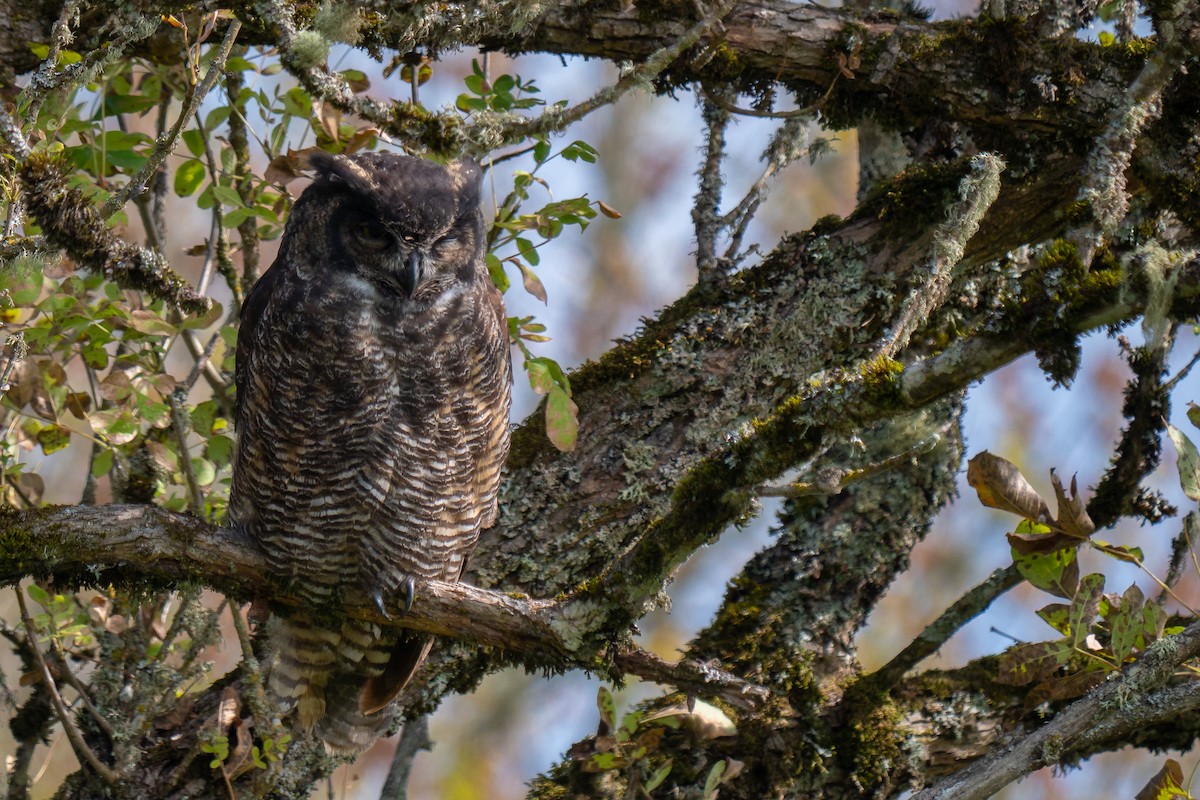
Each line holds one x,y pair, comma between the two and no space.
1045,170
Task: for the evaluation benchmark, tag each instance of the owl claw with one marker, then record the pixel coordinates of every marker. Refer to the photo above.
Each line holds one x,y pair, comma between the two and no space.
377,599
409,587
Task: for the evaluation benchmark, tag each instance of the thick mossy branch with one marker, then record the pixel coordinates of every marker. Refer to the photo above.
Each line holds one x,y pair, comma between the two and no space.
70,221
148,547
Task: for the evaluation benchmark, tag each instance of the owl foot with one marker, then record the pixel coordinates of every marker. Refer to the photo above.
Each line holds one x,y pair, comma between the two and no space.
408,591
377,599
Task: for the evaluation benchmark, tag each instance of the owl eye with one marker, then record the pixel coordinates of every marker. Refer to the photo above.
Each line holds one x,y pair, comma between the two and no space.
444,243
373,235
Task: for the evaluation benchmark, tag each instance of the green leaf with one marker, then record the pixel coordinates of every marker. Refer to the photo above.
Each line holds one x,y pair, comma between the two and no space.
39,595
475,84
658,777
194,140
714,779
203,320
189,177
1056,572
117,425
1125,625
216,118
237,217
227,195
579,151
204,471
102,463
528,251
1056,616
601,762
149,323
127,104
467,103
496,273
562,420
219,449
1034,661
540,378
1188,462
53,438
1084,607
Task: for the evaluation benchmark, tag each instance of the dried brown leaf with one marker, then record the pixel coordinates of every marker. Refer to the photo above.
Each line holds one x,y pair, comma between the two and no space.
1167,783
999,484
227,711
1034,661
239,755
22,381
177,715
329,118
1073,518
280,170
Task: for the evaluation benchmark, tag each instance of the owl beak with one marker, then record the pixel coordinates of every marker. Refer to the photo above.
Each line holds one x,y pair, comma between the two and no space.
411,275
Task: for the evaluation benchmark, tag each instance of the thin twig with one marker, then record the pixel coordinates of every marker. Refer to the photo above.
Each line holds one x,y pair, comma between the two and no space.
977,191
265,716
413,739
492,129
834,481
80,689
938,632
706,206
224,262
782,150
202,361
212,376
239,143
795,113
165,144
179,424
81,748
1169,386
694,677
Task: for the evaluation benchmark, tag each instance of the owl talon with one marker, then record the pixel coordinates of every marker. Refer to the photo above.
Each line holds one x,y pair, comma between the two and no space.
409,587
377,599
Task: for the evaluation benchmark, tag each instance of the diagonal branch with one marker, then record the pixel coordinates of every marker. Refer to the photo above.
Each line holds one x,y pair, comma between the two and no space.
1136,700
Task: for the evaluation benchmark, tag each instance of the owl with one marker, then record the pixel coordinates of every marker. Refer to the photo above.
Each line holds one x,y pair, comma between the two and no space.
373,388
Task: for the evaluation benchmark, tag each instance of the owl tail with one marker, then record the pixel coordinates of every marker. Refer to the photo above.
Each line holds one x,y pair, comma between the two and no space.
357,712
304,658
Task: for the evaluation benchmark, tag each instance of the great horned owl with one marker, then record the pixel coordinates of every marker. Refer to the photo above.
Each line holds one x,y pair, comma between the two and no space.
373,387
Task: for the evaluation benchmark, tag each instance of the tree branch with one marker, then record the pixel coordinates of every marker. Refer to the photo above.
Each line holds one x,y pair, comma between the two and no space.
1136,700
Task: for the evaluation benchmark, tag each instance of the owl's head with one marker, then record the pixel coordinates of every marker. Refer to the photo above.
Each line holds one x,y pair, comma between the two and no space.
410,228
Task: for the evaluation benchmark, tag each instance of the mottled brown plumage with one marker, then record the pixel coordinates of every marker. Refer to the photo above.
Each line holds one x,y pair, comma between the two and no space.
373,377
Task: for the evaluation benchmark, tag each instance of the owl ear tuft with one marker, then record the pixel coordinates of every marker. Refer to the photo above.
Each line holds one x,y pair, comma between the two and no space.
332,167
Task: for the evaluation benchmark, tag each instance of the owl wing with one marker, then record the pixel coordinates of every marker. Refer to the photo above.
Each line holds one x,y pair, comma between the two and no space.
253,308
492,396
